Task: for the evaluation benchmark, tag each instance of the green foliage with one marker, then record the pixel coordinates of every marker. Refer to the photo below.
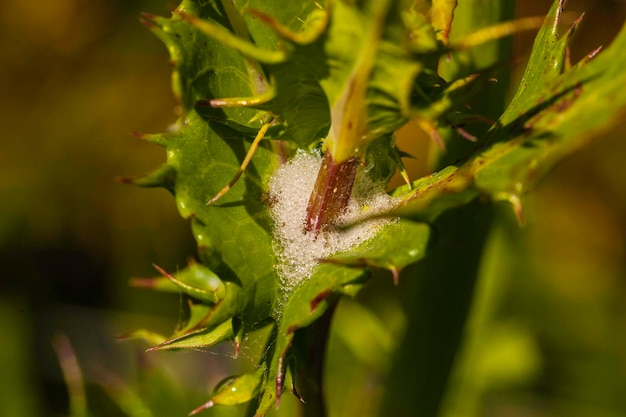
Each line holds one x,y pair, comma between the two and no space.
307,74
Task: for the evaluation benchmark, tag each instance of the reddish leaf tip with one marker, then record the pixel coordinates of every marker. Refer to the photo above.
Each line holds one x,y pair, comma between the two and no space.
318,299
142,283
396,274
203,103
124,180
147,19
237,343
465,134
163,271
204,406
280,380
122,336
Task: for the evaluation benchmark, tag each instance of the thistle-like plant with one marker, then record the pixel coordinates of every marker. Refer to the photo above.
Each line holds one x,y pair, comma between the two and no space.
285,146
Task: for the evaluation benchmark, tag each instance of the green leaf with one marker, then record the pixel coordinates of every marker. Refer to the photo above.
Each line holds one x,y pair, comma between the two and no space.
236,389
573,108
199,338
540,127
397,245
545,64
234,235
304,305
198,281
148,336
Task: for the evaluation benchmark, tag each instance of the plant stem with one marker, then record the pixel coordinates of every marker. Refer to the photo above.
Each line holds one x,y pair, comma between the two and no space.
331,193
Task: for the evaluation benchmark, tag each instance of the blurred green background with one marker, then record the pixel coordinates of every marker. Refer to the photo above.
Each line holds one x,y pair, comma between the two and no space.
547,336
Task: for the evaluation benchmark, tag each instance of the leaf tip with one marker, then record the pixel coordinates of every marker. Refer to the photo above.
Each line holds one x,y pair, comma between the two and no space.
318,299
280,380
124,180
518,210
203,407
148,283
395,272
147,19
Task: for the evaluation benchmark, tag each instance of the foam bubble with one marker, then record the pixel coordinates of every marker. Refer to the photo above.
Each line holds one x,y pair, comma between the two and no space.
299,252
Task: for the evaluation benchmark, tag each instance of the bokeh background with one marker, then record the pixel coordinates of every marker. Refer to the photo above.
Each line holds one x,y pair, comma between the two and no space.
77,77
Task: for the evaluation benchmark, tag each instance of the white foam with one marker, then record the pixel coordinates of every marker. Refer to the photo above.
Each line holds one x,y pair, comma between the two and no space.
299,252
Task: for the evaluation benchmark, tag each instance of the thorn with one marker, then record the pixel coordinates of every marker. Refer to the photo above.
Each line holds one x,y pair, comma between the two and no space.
147,20
465,134
295,392
280,380
163,272
71,371
217,103
253,147
237,346
396,274
153,348
589,56
318,299
203,407
203,103
405,177
593,53
147,23
518,210
142,282
436,137
397,156
430,129
568,59
301,38
122,336
124,180
144,136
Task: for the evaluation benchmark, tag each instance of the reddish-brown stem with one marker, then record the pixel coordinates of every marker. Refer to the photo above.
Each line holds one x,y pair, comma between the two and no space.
331,193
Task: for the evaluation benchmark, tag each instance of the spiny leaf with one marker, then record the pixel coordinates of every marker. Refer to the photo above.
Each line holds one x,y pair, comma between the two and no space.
148,336
234,235
163,177
545,64
398,244
200,338
239,65
573,108
196,280
237,389
307,303
549,124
